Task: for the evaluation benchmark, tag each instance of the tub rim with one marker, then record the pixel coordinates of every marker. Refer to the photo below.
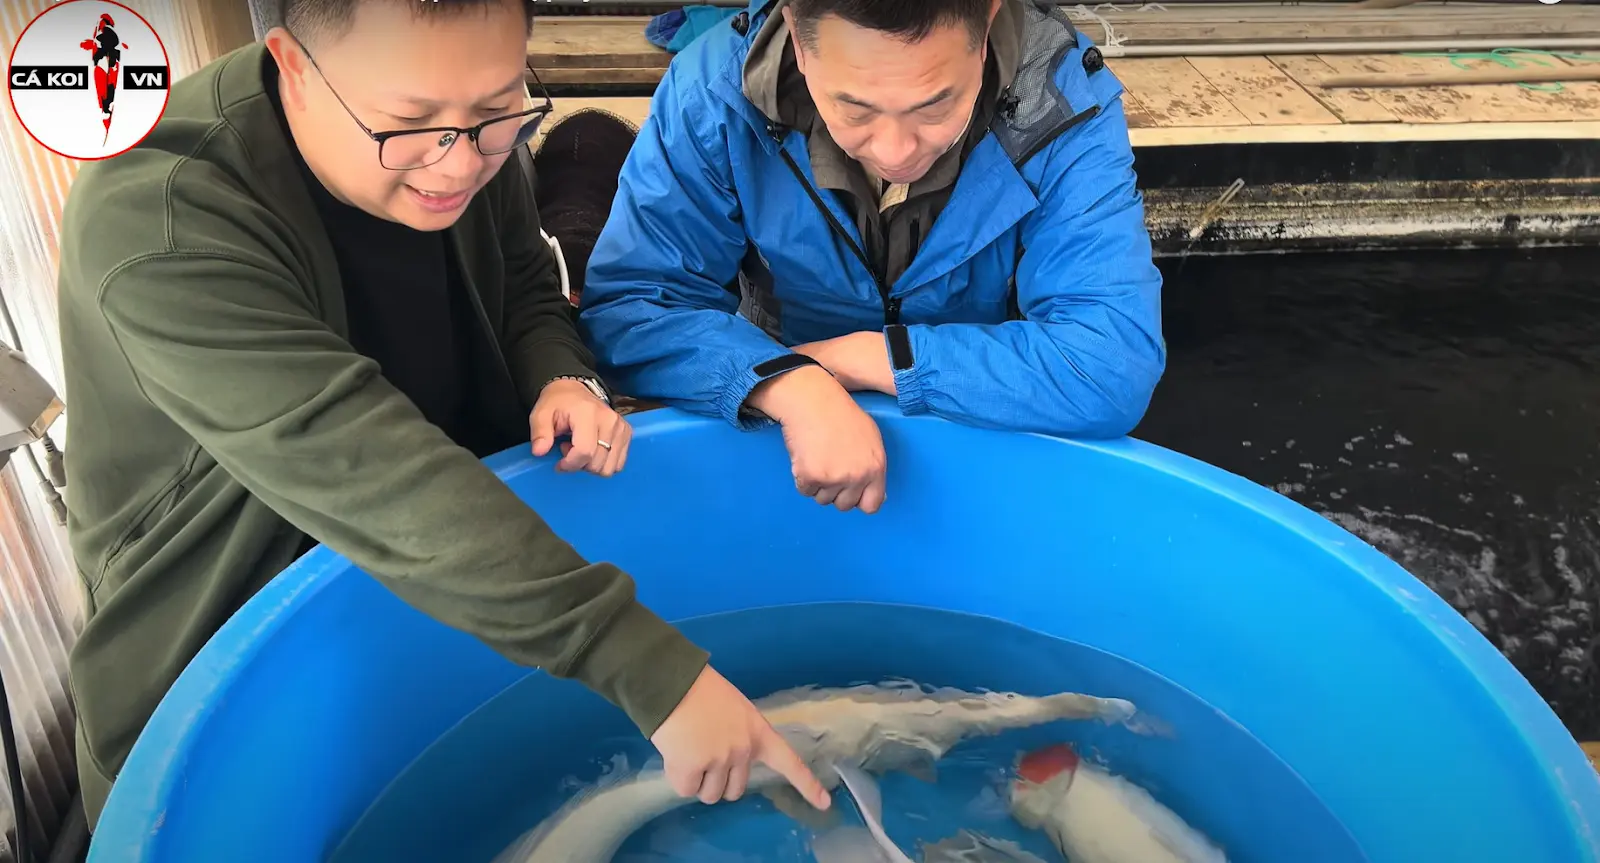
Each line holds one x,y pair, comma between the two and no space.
135,808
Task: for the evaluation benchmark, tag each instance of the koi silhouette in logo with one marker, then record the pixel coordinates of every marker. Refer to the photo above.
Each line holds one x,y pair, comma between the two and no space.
106,57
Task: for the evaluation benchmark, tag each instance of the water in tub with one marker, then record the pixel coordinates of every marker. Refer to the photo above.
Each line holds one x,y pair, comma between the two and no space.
1140,771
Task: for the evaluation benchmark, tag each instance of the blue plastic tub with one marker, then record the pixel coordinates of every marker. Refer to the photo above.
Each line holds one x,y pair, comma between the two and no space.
1410,726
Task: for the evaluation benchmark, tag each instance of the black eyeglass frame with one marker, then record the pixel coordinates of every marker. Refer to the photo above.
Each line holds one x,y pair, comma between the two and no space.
524,134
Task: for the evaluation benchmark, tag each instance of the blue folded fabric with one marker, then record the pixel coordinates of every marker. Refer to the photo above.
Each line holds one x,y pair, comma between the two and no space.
673,31
663,27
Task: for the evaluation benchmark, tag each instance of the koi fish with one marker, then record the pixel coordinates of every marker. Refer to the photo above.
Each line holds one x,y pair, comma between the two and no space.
869,844
1095,817
854,844
892,726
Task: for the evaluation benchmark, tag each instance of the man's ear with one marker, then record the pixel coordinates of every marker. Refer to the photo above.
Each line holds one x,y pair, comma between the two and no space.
293,65
994,9
794,39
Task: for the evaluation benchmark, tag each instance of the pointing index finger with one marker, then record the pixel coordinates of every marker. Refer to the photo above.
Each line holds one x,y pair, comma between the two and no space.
776,753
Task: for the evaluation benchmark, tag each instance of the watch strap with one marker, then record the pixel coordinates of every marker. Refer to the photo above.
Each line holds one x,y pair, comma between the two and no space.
593,384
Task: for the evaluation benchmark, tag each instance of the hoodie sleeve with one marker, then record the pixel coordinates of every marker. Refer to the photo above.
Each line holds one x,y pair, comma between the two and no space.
1085,358
659,300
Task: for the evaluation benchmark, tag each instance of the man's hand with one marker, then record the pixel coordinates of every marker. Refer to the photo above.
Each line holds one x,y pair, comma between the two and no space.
599,435
860,361
710,740
835,449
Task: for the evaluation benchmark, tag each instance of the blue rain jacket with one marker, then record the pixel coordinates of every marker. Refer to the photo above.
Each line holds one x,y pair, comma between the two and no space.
1033,303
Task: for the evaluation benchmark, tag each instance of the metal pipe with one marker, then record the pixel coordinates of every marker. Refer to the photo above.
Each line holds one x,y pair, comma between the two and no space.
1396,46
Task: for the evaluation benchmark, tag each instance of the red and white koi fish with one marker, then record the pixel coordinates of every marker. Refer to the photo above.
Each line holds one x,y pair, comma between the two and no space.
1095,817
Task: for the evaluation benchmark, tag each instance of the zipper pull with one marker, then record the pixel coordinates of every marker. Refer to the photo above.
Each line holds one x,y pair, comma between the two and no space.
891,311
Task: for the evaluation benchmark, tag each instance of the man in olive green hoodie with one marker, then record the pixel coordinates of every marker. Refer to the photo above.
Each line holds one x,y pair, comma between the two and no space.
298,313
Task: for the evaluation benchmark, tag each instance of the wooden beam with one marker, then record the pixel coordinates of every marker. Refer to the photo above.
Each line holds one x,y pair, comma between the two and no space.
1365,133
603,42
1492,104
593,42
1468,77
633,109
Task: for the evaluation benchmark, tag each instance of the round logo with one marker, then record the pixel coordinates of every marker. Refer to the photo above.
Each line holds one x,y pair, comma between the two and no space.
88,79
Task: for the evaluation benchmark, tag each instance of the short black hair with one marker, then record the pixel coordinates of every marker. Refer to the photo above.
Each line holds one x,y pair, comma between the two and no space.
317,19
907,20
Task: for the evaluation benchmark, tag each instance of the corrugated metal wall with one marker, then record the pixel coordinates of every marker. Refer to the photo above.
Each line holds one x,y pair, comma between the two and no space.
39,596
41,605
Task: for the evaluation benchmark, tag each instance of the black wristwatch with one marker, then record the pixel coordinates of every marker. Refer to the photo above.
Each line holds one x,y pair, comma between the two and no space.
593,385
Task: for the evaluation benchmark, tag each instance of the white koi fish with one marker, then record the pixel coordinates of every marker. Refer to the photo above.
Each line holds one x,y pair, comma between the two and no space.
1095,817
869,844
854,844
893,726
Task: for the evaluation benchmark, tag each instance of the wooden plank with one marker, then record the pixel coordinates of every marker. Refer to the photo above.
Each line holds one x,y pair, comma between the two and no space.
1564,73
1262,22
1361,133
1153,30
619,42
634,109
599,76
1351,106
1337,12
1262,92
601,42
1138,116
1489,103
1174,93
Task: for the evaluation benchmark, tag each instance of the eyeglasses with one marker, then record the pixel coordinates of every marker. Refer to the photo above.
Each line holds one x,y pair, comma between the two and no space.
410,149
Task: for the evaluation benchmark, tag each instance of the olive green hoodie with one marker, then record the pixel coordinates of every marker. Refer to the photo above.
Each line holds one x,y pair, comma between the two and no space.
219,415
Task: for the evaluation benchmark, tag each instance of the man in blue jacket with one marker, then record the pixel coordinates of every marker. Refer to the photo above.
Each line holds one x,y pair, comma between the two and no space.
933,199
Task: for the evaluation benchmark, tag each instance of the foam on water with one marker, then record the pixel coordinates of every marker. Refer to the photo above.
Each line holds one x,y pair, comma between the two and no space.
1537,613
1457,387
488,781
1532,599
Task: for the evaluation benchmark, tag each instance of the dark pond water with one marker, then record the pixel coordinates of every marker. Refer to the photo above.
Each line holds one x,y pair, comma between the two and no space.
1444,406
